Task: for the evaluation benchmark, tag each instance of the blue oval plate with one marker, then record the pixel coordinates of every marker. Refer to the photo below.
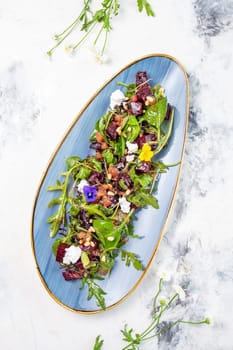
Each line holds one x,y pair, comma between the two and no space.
150,222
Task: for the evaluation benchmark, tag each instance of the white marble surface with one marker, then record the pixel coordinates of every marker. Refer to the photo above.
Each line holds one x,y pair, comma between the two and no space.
39,99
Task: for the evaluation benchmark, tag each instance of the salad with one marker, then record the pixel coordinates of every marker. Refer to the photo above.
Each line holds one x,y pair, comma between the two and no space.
98,196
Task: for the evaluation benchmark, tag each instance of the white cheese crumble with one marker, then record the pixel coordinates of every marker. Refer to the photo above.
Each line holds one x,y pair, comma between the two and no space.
132,147
116,98
72,254
81,184
130,158
124,204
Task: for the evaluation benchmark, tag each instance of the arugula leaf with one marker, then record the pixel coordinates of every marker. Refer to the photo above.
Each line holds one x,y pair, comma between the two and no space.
93,209
94,290
108,156
83,173
144,4
98,343
131,89
142,199
72,161
96,164
143,180
165,137
131,258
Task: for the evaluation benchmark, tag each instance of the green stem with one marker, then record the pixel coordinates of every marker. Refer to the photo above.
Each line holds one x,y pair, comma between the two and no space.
156,296
84,37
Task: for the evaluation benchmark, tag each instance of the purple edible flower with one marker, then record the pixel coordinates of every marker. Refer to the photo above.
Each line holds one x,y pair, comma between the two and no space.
90,193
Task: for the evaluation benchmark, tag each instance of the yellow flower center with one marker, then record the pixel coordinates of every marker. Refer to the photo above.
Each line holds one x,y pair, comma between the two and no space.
146,153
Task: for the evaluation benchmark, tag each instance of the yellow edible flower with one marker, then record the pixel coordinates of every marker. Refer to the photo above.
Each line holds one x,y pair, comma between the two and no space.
146,153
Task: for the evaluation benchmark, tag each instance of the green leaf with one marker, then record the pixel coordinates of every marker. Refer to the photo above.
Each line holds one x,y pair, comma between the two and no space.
119,146
143,180
98,343
55,245
95,291
156,113
96,164
54,201
131,129
108,156
94,209
144,4
84,173
131,258
142,199
58,187
165,137
108,234
72,161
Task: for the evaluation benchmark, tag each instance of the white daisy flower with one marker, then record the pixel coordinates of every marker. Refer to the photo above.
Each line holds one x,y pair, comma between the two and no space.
180,291
164,275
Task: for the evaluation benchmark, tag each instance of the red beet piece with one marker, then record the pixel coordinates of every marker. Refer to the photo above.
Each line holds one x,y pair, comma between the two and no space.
61,251
70,275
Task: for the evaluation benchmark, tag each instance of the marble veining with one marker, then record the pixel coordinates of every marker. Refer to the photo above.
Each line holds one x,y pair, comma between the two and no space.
213,17
19,108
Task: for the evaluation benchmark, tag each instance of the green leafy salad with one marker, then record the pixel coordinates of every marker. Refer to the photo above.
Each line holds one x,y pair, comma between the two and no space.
99,195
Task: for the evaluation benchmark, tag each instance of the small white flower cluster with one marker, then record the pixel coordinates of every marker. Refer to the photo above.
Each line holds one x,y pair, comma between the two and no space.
175,287
72,254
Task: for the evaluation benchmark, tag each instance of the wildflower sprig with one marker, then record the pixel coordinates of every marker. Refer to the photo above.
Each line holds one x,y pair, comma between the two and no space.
97,21
156,327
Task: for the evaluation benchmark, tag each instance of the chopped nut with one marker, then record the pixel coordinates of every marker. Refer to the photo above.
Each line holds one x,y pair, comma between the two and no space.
110,238
92,244
110,193
109,176
86,244
118,130
127,192
91,229
103,258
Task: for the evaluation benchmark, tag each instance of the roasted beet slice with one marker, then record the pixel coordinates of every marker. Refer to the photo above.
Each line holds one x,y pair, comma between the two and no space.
84,218
141,77
136,108
96,145
143,168
96,178
70,275
125,178
146,138
143,92
111,130
61,250
145,89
